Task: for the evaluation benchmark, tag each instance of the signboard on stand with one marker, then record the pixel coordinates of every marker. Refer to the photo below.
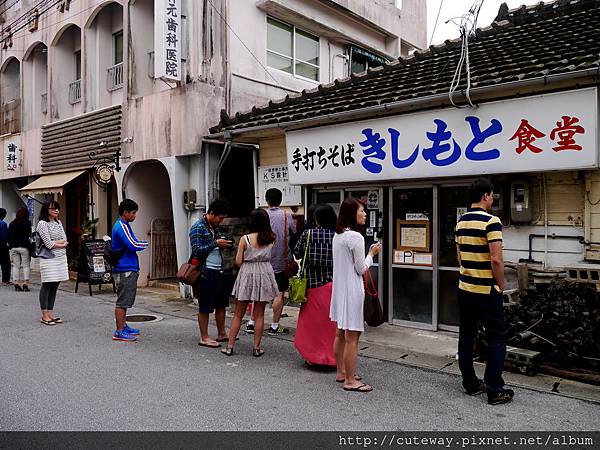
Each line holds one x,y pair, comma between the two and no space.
93,267
277,177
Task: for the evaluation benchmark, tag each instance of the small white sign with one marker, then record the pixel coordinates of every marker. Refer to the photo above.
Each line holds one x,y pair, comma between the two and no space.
99,266
167,39
416,216
277,177
12,157
461,211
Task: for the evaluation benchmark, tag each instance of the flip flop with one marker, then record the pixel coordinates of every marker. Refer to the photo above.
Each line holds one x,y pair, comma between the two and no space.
356,377
209,344
227,351
48,322
225,339
258,352
359,388
57,320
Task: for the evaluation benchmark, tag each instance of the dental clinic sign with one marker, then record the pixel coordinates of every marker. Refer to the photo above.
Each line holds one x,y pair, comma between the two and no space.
167,39
547,132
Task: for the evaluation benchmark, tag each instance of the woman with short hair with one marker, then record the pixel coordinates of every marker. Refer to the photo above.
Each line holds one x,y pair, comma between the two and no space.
53,264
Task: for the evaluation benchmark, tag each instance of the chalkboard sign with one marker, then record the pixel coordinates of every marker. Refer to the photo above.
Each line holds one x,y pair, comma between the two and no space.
93,267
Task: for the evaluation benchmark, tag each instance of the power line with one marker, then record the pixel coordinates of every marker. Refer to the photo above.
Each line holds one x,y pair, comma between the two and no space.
24,15
41,13
247,48
436,22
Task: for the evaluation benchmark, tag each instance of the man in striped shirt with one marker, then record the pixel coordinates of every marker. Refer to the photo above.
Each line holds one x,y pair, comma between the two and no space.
481,282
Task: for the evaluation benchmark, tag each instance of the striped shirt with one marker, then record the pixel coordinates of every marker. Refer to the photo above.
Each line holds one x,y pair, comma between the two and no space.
52,231
474,232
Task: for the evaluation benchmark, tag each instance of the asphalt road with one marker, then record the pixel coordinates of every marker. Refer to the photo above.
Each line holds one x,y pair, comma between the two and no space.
74,377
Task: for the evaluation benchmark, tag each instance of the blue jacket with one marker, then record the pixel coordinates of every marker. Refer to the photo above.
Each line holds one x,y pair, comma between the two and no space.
3,232
123,237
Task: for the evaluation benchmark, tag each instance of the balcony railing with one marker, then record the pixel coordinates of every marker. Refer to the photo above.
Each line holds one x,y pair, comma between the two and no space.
115,77
75,92
44,103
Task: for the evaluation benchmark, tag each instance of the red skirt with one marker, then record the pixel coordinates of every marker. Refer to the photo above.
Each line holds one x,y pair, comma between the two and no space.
315,332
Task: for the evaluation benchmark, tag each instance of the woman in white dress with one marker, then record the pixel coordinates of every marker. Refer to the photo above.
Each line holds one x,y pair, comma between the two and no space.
53,264
348,295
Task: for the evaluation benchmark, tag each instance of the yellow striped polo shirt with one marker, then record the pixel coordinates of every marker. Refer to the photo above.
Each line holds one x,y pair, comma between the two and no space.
474,231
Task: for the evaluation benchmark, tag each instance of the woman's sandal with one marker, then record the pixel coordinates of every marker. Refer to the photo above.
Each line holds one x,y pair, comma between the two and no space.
363,387
356,377
57,320
227,351
258,352
48,322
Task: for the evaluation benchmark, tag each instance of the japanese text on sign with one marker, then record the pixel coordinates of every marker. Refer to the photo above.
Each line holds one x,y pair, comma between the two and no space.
549,132
167,39
277,177
12,157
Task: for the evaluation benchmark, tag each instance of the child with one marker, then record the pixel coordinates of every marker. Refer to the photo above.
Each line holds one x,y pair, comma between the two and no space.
256,279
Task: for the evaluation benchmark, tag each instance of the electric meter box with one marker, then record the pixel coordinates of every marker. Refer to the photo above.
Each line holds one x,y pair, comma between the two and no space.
521,210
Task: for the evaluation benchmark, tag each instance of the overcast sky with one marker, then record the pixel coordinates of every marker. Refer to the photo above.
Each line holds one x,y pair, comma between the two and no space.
454,8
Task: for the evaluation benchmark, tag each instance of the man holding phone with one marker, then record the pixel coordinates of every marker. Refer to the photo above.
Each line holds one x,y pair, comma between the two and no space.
207,242
479,252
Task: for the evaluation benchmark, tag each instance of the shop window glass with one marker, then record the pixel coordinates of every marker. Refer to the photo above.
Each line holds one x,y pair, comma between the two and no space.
413,291
448,303
453,201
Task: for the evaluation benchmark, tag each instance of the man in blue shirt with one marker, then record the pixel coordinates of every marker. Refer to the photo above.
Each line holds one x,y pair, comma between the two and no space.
4,253
126,269
207,241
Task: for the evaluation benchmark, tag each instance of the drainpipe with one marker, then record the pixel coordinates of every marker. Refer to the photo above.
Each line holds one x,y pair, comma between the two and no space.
255,173
206,175
545,221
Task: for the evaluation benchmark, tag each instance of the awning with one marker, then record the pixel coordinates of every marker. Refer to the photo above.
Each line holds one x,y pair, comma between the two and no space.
50,184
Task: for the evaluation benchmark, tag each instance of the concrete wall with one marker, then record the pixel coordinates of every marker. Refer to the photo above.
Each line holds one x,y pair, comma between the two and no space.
10,81
413,23
35,83
63,72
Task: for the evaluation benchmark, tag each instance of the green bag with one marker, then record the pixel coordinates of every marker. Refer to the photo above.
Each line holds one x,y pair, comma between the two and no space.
297,291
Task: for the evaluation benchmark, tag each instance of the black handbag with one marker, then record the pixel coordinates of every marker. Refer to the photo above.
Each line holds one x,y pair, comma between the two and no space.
373,313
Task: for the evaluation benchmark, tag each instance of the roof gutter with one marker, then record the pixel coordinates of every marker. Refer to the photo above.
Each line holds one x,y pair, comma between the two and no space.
409,103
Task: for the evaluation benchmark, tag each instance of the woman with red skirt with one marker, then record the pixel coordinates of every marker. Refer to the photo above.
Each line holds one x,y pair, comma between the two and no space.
315,332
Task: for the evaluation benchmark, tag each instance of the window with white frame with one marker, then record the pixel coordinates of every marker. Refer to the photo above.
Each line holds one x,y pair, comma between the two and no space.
292,50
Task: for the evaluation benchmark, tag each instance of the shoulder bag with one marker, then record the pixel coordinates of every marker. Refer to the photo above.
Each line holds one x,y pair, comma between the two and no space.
372,308
188,273
41,251
297,291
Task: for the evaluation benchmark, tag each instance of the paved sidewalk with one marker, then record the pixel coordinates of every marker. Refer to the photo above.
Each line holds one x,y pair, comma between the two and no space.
411,347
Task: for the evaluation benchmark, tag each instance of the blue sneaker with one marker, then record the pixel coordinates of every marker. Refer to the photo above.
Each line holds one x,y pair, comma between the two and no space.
123,336
133,331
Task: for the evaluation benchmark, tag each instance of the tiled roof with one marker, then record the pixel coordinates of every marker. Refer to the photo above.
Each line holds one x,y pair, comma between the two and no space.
524,43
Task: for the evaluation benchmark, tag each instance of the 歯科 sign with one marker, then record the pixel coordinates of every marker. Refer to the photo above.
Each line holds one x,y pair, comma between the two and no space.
167,39
277,177
12,157
540,133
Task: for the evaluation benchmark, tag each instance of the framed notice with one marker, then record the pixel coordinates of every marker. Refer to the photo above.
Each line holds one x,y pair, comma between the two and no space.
413,235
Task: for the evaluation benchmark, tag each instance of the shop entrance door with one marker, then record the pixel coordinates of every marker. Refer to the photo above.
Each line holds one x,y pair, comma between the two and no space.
414,280
452,205
374,203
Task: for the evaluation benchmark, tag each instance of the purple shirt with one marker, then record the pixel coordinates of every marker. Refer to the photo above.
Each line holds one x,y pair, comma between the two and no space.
277,218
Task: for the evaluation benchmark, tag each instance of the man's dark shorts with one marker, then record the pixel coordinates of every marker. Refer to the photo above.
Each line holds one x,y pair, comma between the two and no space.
214,290
283,283
126,288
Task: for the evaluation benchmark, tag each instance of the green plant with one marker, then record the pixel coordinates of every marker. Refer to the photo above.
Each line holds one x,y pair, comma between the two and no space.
88,229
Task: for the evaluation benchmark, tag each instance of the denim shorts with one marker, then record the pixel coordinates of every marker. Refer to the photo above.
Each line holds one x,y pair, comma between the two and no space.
126,288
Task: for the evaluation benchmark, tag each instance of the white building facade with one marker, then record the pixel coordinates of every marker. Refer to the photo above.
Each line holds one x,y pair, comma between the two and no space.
86,84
